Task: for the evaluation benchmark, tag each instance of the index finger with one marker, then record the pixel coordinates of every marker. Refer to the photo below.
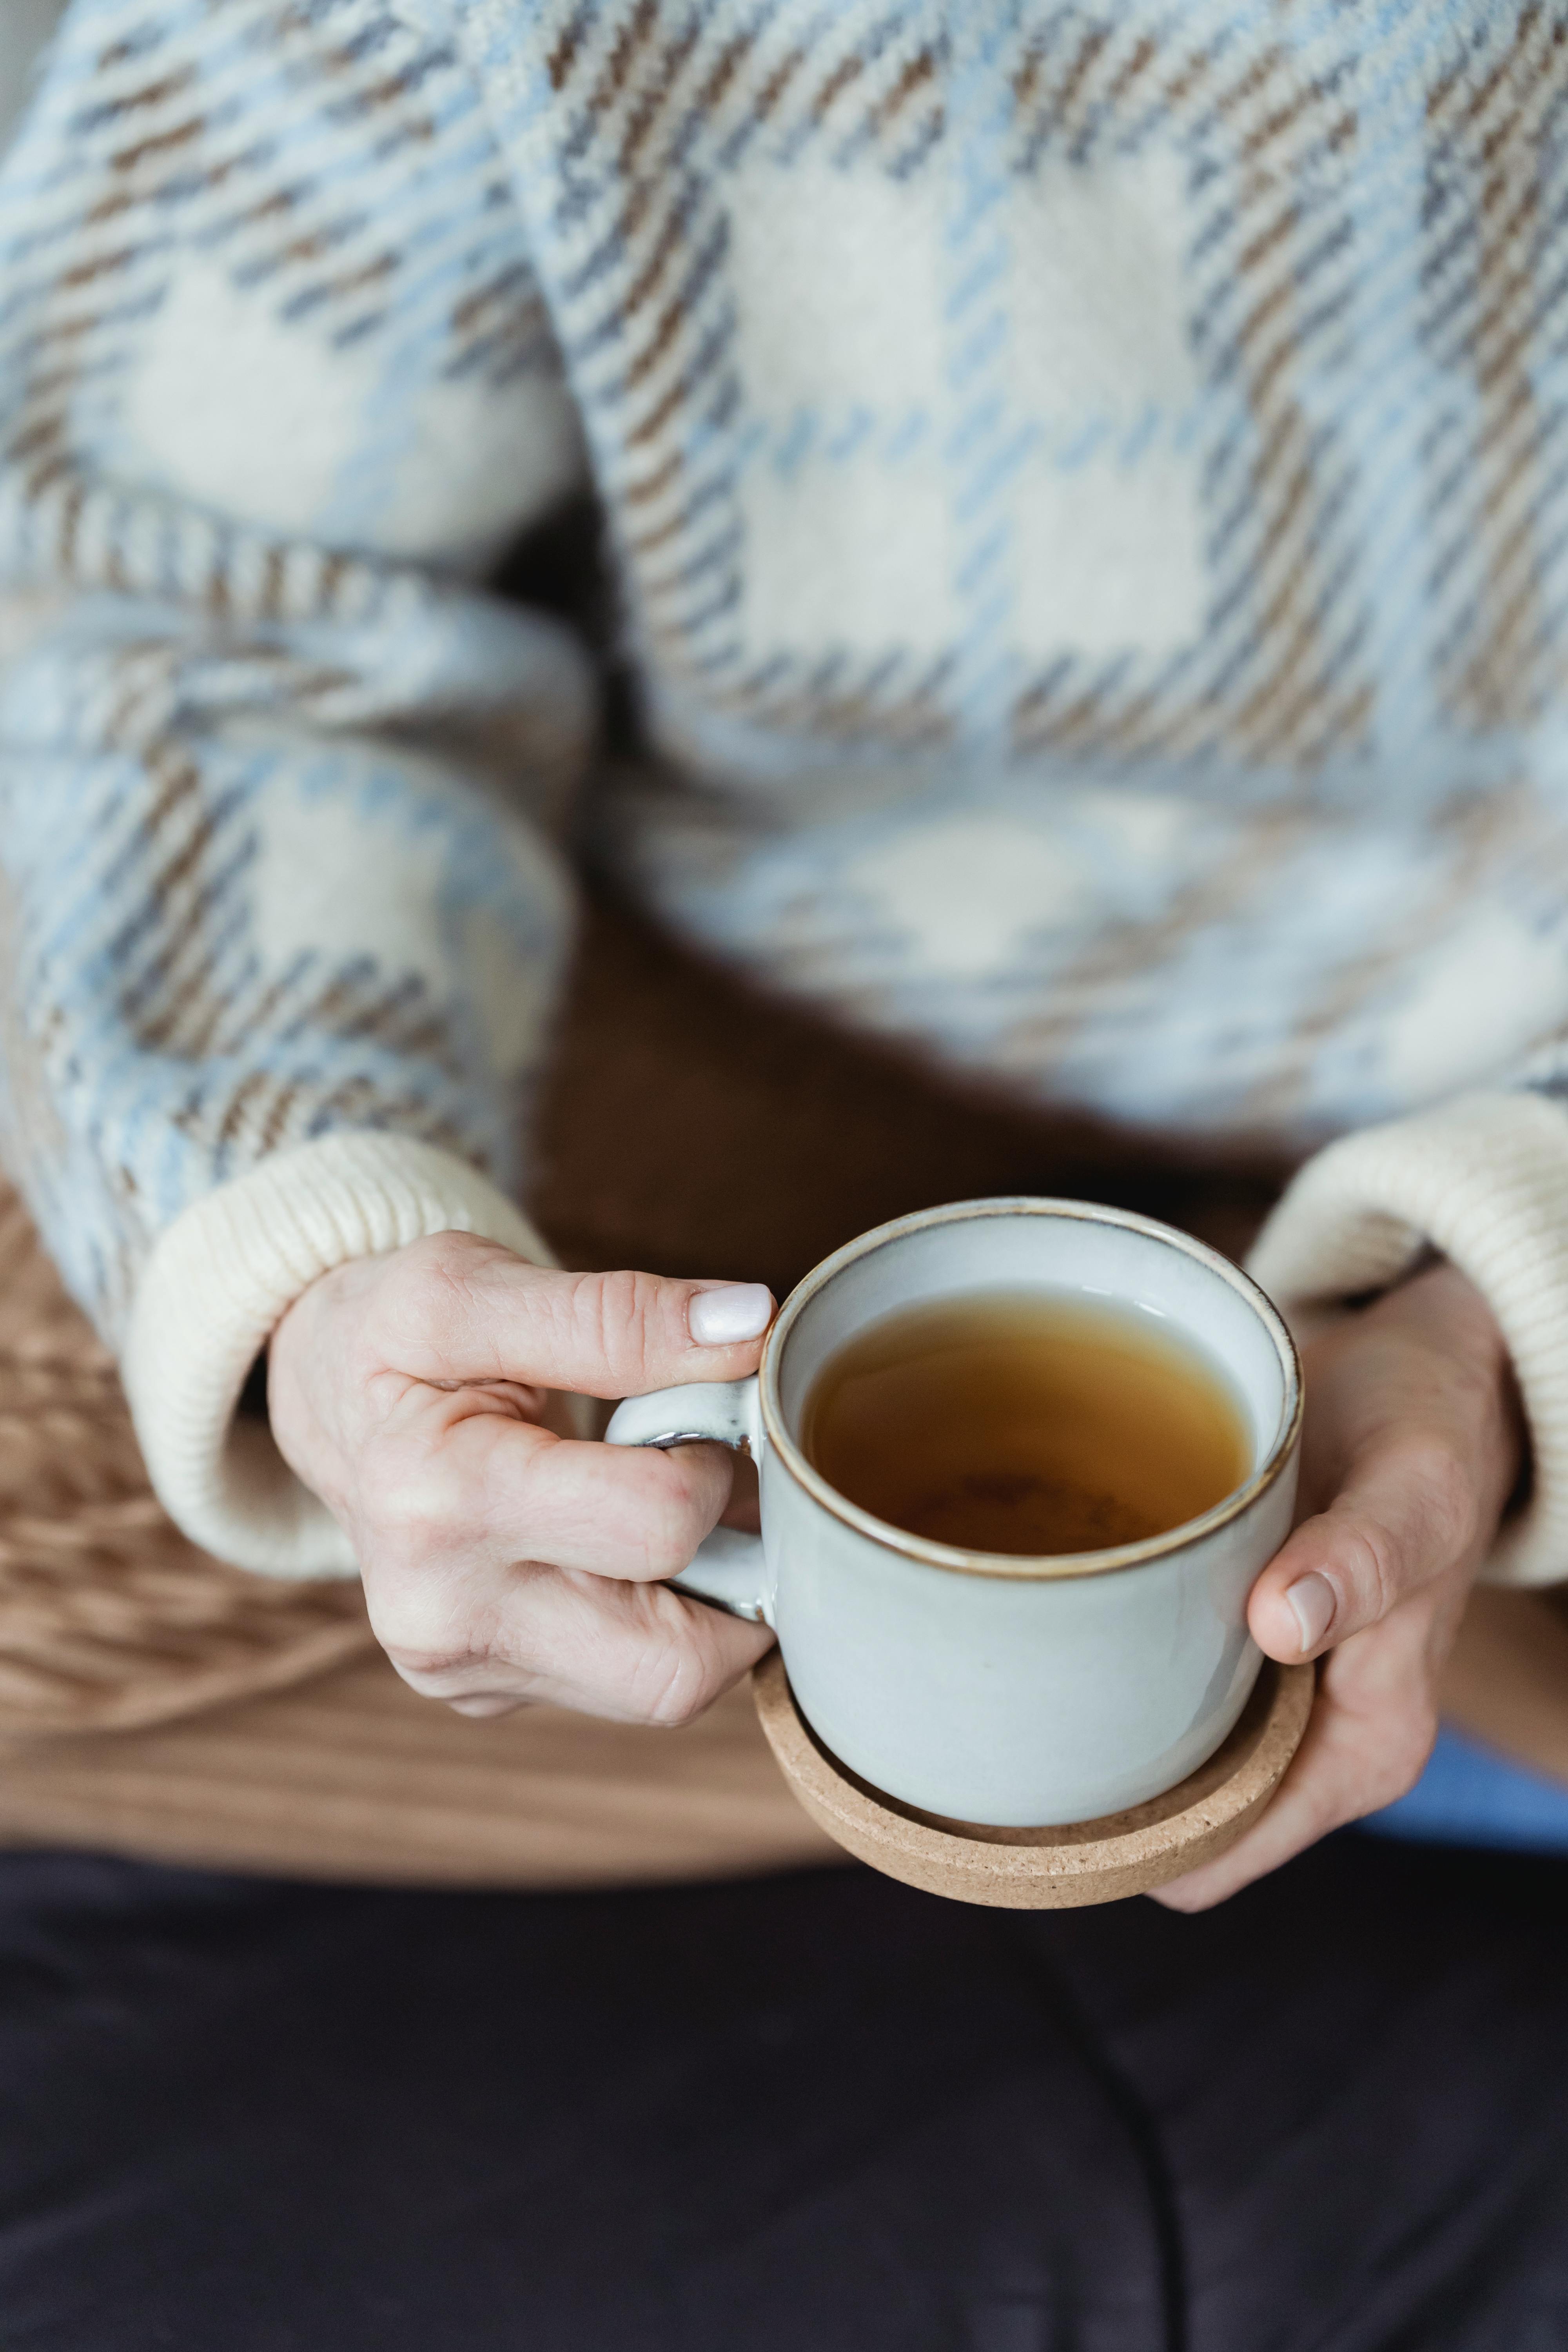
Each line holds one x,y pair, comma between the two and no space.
486,1315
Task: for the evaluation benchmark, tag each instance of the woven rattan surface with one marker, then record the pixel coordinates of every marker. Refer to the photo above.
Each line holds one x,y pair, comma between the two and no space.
109,1618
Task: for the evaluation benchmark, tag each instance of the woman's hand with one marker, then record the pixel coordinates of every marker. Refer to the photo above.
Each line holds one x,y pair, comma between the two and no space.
504,1561
1411,1450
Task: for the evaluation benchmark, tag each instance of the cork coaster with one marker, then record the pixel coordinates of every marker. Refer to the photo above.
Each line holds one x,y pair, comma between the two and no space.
1047,1869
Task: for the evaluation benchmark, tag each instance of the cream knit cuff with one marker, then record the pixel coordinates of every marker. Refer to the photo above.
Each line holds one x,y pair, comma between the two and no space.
217,1284
1484,1180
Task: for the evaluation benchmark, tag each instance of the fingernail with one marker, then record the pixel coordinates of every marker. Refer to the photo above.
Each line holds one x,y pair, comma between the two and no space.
1312,1599
739,1310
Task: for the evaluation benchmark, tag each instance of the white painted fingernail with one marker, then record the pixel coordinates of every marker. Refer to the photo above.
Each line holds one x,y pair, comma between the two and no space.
1313,1600
740,1311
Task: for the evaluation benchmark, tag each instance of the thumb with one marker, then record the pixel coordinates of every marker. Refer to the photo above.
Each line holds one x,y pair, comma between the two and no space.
483,1314
1406,1514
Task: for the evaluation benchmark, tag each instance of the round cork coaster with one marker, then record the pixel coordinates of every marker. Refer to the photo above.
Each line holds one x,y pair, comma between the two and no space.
1047,1869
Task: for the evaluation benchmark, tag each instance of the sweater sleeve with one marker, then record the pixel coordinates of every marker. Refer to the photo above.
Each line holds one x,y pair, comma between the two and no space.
1483,1179
282,917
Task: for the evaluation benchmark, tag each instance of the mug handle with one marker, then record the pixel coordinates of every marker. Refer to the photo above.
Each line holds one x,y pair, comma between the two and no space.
729,1569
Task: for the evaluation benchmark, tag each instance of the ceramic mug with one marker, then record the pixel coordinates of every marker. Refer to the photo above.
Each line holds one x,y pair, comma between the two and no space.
978,1687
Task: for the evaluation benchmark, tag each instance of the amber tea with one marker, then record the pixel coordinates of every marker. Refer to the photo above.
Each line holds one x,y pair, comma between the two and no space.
1032,1422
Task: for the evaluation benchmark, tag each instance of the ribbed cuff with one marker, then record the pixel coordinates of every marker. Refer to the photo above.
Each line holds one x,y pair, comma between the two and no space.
1485,1180
216,1287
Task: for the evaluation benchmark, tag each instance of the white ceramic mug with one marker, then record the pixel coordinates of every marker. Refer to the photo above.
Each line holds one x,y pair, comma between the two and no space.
989,1689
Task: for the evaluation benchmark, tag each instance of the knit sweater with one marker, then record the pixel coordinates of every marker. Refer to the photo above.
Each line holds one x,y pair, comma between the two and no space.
1087,493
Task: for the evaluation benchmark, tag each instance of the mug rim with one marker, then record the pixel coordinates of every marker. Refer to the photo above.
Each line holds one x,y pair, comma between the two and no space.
1025,1567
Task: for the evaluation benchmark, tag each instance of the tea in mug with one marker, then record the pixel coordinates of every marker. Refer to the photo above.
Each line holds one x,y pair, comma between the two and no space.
1032,1423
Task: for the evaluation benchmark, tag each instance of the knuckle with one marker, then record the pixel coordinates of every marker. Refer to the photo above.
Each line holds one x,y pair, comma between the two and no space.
667,1542
671,1520
618,1314
412,1510
430,1285
421,1270
445,1257
434,1633
1371,1561
675,1686
422,1636
413,1525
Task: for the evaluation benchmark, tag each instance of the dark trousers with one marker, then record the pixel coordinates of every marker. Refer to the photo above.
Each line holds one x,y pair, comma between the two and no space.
811,2115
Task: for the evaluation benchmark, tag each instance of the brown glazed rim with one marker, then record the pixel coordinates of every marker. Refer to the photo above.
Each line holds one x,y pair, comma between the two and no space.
1005,1564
